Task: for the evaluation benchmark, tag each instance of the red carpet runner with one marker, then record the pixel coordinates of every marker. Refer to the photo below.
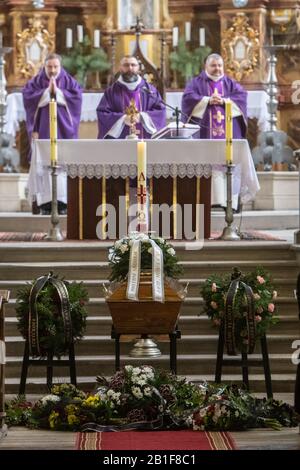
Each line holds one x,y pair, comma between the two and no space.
154,440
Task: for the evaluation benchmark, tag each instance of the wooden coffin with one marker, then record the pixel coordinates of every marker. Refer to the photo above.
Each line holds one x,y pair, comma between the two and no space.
145,316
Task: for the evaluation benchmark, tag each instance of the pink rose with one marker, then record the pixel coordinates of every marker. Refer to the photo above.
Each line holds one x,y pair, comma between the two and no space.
257,318
214,287
274,294
214,305
271,308
260,279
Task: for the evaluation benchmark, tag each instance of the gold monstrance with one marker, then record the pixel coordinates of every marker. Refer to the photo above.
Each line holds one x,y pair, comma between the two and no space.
132,112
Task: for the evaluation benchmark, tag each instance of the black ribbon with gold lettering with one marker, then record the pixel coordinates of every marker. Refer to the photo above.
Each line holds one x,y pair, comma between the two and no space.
63,307
230,310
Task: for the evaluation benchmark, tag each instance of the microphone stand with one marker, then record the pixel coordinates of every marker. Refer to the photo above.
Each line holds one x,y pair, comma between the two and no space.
176,113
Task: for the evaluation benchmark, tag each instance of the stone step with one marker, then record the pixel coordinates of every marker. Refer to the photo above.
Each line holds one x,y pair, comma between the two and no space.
186,364
188,344
191,305
251,220
188,324
283,383
84,251
101,270
284,286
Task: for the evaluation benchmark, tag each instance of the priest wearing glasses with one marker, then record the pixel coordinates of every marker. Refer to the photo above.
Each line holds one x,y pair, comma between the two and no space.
113,120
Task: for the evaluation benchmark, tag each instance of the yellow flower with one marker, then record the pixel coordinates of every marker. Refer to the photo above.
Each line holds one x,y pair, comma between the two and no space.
92,401
53,419
71,409
72,419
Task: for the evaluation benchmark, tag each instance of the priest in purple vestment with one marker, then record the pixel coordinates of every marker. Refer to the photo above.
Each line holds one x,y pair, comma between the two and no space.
52,80
113,122
203,103
204,97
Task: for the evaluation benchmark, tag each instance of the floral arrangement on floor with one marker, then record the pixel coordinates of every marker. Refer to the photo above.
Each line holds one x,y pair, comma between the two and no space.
147,398
50,322
119,255
214,293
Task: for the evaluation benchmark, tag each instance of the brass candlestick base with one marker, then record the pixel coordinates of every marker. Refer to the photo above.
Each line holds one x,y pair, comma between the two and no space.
229,233
132,137
145,347
54,233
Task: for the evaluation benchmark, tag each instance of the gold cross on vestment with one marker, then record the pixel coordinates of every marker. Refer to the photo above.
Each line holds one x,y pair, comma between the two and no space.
219,117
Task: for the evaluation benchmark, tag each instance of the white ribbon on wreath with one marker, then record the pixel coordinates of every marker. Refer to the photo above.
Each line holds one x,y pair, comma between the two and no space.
158,291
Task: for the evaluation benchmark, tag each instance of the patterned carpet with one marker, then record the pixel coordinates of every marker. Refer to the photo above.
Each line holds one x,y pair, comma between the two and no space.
40,236
155,440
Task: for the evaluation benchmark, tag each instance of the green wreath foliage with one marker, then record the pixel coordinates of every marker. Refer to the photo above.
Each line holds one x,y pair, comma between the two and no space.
119,256
50,322
214,293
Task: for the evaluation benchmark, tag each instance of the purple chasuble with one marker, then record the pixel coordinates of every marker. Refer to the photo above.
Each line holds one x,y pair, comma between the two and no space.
213,121
116,99
68,117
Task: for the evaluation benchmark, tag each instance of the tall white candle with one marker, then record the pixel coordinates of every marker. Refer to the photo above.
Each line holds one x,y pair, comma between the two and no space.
69,38
97,38
175,36
202,36
79,33
1,39
188,31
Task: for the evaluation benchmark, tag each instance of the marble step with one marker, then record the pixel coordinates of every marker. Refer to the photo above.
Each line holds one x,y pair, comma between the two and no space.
284,286
186,365
191,305
99,270
251,220
188,324
188,344
282,383
75,251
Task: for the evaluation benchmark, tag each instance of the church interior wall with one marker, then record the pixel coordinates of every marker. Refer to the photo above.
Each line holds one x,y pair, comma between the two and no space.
215,16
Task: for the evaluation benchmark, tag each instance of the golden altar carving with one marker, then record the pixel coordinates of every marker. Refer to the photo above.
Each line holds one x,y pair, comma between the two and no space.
240,47
33,45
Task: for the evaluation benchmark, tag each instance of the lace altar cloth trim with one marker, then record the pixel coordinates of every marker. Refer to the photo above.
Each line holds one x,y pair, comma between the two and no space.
123,171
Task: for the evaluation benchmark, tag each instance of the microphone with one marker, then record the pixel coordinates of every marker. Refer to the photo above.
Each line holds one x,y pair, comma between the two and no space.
144,88
176,113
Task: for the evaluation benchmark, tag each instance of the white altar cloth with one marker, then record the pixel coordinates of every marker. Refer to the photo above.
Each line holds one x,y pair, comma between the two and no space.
256,108
117,158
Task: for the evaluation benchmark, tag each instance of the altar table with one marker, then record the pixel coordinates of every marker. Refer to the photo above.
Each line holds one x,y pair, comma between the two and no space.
99,171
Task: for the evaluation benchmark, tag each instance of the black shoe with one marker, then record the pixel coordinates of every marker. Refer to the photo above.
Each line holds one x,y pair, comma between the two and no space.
46,208
62,208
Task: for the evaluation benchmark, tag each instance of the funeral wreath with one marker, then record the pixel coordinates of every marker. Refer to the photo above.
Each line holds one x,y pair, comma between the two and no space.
119,256
263,296
51,312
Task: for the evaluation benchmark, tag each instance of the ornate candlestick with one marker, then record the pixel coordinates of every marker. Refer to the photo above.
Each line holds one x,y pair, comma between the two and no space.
3,92
54,234
229,232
